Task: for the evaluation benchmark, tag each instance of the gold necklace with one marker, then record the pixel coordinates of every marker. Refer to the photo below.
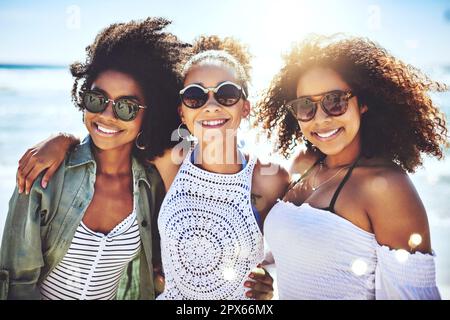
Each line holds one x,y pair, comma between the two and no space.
314,188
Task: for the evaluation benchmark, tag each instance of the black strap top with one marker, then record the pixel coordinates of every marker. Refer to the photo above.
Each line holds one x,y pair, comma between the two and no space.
339,188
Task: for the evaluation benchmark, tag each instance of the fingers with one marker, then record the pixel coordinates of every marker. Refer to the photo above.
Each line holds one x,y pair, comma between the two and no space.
159,278
261,275
30,170
259,291
24,159
159,283
31,177
261,285
22,163
259,295
48,175
23,172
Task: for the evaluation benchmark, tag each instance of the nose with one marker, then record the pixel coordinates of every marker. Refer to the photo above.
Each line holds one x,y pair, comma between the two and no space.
211,104
108,112
321,116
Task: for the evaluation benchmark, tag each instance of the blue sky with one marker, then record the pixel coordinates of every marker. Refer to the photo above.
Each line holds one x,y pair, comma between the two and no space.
56,32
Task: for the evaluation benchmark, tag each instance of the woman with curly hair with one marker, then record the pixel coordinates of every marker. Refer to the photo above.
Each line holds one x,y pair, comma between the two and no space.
76,237
355,225
218,197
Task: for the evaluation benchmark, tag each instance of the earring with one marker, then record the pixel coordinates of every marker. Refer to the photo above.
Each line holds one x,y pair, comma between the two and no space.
136,142
189,137
241,144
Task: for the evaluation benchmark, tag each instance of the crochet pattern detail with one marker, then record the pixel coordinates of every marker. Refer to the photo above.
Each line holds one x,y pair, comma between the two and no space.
210,239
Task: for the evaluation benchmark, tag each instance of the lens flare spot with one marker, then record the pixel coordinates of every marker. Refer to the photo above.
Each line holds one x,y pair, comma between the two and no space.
401,255
415,240
359,267
379,183
229,274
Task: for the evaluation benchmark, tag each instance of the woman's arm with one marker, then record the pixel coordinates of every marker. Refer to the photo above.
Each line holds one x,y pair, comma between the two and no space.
168,165
396,211
270,182
405,266
46,155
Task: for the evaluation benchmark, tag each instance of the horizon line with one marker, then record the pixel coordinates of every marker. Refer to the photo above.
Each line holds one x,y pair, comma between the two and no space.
31,66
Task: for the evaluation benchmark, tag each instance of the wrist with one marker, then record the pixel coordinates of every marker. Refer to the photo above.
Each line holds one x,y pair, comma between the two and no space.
69,141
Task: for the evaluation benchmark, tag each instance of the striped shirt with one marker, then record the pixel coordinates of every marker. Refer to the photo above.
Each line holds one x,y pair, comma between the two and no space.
94,263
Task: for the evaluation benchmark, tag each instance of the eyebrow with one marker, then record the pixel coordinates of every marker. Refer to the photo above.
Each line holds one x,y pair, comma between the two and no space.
121,97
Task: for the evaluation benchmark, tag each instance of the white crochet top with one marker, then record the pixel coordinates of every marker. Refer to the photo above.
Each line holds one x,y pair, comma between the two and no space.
210,239
320,255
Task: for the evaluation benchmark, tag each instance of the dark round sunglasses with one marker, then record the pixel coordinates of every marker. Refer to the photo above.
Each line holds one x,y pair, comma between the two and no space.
227,94
124,108
333,103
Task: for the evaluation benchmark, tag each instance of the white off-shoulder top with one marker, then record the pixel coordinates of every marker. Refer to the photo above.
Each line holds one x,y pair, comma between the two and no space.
320,255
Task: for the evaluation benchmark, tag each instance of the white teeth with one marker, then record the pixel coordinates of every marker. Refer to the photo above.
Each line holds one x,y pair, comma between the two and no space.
106,130
213,122
327,134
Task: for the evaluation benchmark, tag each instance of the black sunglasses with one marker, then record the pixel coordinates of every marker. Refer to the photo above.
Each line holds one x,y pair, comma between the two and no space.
333,103
227,93
124,108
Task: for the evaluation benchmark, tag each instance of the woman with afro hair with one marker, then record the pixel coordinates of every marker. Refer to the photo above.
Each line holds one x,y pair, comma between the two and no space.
355,225
91,232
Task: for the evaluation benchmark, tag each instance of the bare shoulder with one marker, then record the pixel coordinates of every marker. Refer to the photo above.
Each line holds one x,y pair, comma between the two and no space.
393,205
383,180
302,161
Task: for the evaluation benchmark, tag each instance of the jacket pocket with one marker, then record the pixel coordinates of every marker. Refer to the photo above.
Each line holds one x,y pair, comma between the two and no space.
4,284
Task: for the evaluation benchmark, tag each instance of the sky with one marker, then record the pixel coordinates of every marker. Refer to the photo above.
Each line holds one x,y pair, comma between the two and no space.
56,32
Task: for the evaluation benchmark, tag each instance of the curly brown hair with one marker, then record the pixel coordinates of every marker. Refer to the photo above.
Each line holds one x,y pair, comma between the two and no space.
152,56
401,122
228,51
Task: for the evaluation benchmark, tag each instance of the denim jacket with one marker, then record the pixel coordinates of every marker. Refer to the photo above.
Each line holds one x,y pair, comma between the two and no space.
40,227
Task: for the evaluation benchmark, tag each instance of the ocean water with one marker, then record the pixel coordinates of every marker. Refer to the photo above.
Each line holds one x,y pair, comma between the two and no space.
35,102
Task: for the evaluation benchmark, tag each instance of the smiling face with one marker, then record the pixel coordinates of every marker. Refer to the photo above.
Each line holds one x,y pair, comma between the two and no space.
212,118
330,134
107,131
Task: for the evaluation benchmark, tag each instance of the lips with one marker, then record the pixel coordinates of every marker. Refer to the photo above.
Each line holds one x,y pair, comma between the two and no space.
105,130
216,123
326,135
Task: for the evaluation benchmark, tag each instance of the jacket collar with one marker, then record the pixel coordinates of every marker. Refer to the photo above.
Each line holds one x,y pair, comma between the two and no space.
81,154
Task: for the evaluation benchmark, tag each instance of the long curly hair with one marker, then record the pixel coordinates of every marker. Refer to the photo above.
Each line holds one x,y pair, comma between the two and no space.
152,56
401,122
227,51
